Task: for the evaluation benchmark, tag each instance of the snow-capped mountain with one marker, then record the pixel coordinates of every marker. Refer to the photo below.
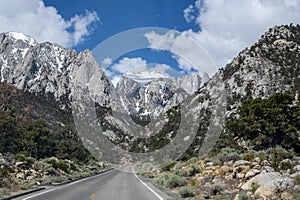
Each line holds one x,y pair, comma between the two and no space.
49,69
151,97
191,83
270,66
150,93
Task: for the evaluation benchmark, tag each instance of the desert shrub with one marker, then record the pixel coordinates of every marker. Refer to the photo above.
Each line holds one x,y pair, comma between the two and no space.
148,174
73,167
186,192
284,165
297,180
20,157
297,195
193,160
25,186
243,195
168,166
62,165
4,192
171,180
277,154
194,182
227,154
190,171
261,155
249,156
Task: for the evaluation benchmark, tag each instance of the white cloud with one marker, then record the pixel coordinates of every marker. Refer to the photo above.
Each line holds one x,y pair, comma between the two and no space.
106,62
44,23
135,65
188,13
81,25
130,64
228,26
189,54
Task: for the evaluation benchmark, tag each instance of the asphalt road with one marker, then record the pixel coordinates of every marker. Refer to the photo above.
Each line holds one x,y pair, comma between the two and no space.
117,184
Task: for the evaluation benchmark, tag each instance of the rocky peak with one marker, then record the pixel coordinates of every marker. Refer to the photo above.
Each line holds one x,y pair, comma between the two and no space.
277,32
48,68
270,66
190,83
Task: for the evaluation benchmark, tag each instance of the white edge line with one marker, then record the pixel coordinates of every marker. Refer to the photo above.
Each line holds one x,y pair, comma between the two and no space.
157,195
39,194
67,185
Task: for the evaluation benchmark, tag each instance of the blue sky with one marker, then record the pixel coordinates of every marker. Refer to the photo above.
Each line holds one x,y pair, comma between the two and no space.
116,16
210,32
121,15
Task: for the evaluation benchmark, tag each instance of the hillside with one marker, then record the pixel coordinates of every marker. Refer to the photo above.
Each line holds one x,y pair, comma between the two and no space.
252,117
36,127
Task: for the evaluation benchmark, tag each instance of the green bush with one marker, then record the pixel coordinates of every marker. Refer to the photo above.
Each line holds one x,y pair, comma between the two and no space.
171,180
62,165
4,192
228,154
297,195
148,174
284,165
277,154
194,182
168,166
243,195
261,156
186,192
297,180
267,122
249,156
30,160
25,186
73,167
190,171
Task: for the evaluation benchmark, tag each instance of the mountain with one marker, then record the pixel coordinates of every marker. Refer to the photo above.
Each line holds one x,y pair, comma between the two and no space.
148,94
149,98
48,69
169,111
191,83
268,67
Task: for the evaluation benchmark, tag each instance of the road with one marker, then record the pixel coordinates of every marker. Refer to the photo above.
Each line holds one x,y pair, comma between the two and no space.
117,184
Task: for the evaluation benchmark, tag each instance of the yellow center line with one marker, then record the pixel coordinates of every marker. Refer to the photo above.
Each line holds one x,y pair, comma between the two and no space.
92,196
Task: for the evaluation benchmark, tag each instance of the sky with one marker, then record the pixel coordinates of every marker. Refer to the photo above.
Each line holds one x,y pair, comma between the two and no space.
199,32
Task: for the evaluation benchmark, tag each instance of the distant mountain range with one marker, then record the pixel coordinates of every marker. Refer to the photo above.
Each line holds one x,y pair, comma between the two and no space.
269,66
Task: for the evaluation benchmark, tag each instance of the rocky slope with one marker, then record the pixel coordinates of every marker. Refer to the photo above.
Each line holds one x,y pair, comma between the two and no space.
269,66
48,69
151,98
233,175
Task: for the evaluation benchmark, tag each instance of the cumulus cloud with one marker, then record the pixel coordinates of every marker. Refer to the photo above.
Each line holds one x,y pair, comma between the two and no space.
135,65
130,64
229,26
189,14
190,55
225,28
44,23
